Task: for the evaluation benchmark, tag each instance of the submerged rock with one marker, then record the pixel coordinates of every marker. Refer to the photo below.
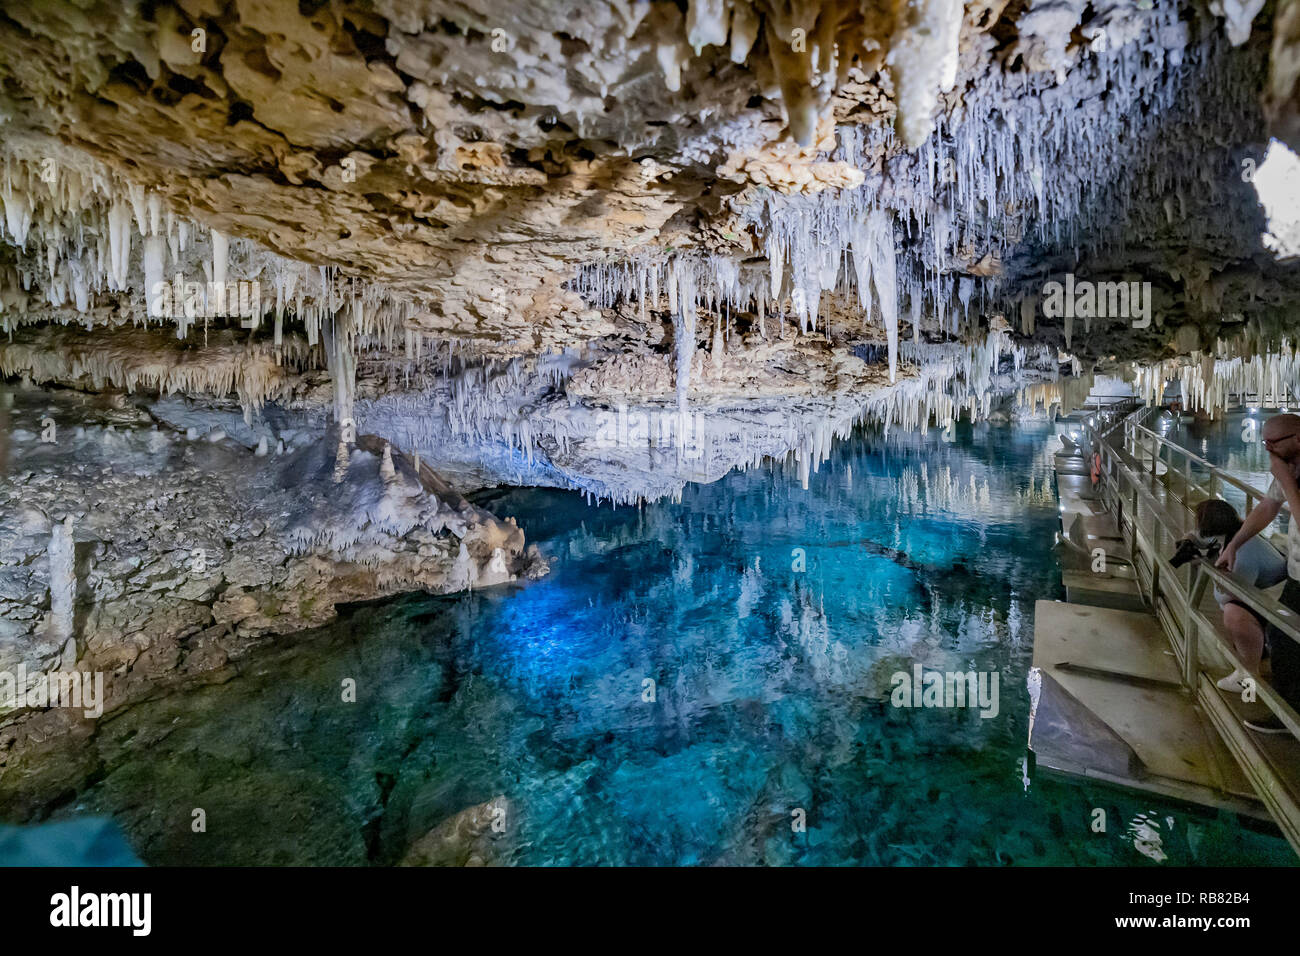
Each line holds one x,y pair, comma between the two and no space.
472,837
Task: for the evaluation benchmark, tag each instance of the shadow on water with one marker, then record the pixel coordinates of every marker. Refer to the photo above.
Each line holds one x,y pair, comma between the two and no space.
706,682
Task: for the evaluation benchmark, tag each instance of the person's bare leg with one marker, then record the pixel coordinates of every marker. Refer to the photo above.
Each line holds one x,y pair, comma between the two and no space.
1246,635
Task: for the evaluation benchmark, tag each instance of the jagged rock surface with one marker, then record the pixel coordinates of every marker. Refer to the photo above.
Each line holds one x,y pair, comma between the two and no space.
190,552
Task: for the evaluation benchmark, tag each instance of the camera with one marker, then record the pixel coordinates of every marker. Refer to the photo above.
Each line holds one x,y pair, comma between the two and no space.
1189,549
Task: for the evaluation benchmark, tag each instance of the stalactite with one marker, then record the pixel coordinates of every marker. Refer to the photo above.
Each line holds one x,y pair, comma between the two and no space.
132,359
1207,381
84,251
340,349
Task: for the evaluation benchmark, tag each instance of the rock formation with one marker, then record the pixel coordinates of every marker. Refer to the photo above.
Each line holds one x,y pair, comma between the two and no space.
353,259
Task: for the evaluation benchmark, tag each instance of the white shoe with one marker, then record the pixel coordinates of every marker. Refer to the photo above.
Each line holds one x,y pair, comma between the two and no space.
1233,682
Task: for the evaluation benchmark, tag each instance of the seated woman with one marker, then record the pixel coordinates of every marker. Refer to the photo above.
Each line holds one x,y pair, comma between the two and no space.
1259,564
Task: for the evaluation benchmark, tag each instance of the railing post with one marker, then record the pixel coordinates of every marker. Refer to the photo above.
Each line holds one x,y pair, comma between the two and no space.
1119,499
1133,509
1191,632
1155,577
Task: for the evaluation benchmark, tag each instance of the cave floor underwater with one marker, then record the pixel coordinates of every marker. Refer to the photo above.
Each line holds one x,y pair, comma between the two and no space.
698,682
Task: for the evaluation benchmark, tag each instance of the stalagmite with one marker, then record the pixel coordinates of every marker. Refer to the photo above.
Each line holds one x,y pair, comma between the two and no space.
342,460
63,581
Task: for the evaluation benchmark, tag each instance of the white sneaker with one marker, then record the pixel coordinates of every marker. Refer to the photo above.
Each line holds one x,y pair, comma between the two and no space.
1233,682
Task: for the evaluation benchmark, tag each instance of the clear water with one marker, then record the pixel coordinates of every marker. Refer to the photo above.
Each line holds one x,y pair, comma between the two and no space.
771,685
1232,442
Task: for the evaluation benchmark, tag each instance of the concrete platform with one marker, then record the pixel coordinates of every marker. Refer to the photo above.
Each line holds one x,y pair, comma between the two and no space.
1112,708
1085,587
1077,491
1067,464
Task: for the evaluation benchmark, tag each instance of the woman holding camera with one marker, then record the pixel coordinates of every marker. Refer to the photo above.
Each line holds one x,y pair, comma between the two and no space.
1257,563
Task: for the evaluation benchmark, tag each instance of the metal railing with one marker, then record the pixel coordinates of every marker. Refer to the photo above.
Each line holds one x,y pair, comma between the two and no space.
1108,411
1145,445
1150,530
1110,401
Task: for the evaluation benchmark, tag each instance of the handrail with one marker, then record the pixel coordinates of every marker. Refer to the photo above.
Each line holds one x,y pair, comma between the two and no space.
1133,426
1185,604
1106,401
1276,614
1251,491
1120,409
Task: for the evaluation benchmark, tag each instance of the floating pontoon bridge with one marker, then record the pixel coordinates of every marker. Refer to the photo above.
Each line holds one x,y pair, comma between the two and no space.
1124,669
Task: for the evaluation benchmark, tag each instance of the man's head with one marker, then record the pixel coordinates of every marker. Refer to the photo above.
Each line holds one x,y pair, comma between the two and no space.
1282,436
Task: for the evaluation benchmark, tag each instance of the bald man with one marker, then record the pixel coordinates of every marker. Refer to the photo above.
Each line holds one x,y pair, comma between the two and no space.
1282,439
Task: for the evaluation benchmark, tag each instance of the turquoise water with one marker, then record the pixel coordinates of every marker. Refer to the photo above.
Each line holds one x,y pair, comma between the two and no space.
1233,443
770,620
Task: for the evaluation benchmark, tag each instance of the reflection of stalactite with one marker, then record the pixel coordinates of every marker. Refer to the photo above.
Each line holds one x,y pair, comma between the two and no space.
1037,495
810,629
918,493
1144,831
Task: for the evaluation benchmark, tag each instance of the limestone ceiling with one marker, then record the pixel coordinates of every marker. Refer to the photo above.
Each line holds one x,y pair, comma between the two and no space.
470,156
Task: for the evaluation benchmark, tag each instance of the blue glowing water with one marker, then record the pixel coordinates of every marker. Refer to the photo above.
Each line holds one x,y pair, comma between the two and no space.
770,619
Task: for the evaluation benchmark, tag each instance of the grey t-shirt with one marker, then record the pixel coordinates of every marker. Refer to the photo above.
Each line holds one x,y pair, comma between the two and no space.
1258,563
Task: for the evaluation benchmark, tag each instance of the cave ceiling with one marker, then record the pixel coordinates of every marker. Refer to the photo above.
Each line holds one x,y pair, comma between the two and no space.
505,173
